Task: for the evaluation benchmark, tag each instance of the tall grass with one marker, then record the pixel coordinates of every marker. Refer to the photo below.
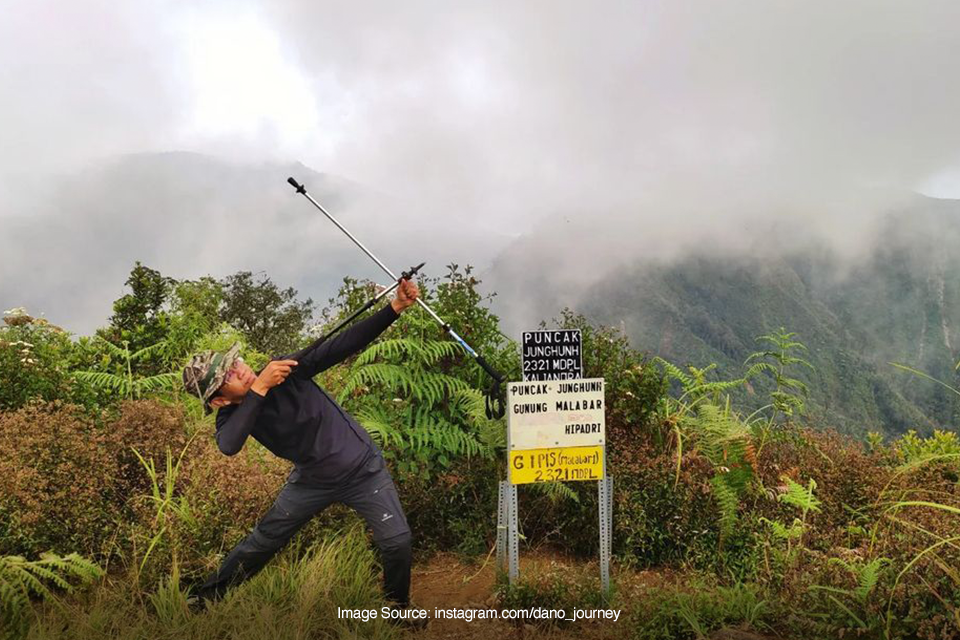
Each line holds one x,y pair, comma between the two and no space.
294,598
918,459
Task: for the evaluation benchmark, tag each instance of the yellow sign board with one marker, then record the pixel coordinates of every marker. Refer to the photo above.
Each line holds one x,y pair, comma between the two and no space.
550,465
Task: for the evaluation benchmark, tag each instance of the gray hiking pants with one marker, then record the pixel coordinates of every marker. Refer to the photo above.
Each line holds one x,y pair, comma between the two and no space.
370,492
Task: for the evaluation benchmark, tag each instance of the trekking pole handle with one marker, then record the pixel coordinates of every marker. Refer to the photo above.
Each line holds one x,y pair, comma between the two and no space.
490,370
372,301
296,185
409,273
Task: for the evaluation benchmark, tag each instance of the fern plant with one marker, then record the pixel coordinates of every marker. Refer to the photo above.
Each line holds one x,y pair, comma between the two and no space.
126,384
802,498
695,388
788,396
21,579
702,413
420,414
725,441
866,575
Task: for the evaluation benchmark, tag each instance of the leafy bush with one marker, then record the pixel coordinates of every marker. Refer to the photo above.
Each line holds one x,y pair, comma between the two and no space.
66,479
35,361
944,445
659,521
454,510
848,479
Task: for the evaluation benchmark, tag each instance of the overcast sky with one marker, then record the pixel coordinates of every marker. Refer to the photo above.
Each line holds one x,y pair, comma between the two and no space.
662,116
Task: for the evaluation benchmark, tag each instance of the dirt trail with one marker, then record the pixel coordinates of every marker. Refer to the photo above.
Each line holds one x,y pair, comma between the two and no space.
445,583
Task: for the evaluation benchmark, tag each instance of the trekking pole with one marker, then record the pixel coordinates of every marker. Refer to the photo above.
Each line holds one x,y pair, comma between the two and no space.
494,406
406,275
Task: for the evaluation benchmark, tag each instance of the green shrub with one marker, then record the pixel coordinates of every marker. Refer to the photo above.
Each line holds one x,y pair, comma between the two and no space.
911,448
66,480
849,480
659,521
35,362
455,510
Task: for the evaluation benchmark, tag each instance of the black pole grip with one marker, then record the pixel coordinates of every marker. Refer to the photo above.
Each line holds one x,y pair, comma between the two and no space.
486,367
296,185
412,271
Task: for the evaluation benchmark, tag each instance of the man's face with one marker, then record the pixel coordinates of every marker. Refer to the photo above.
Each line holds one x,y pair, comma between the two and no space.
238,381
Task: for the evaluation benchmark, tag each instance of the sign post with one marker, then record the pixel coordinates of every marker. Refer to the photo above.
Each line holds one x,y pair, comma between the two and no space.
556,431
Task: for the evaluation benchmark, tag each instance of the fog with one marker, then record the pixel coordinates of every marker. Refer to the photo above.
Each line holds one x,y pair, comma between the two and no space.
654,127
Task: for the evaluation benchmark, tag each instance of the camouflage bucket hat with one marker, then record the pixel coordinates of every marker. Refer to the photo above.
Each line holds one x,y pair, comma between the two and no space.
206,371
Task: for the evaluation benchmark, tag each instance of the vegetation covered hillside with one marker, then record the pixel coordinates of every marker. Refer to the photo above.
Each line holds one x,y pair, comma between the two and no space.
898,302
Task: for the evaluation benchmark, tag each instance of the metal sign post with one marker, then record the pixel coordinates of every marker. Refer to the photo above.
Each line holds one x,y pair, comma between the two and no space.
556,431
513,533
508,531
502,518
605,495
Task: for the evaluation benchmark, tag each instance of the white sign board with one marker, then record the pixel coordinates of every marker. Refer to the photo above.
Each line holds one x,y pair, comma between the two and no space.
556,413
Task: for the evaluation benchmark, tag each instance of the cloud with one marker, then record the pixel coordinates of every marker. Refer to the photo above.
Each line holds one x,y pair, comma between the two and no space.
651,126
81,81
520,109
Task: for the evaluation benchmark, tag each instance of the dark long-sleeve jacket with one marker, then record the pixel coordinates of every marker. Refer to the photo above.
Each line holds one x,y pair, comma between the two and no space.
298,421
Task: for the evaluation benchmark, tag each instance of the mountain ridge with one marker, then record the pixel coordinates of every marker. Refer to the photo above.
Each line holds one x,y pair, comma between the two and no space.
856,315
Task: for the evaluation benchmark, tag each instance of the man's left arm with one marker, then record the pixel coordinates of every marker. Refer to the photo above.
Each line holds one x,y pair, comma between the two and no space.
322,355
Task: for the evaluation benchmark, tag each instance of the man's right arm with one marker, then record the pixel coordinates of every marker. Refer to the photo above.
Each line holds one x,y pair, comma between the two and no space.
233,430
239,424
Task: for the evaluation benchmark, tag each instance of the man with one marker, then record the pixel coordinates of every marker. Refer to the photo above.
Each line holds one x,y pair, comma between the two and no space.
334,457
